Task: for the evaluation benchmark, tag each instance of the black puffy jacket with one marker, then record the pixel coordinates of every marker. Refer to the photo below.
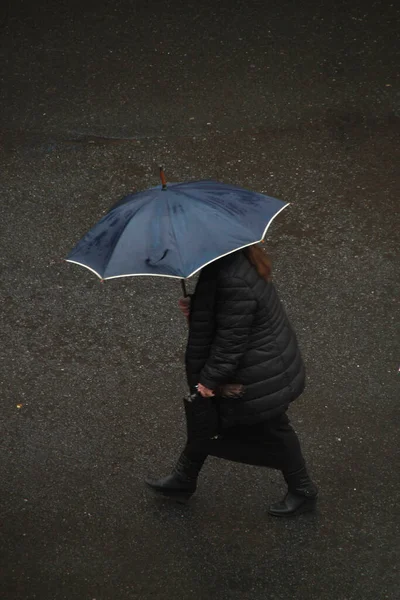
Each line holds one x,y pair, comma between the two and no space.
239,333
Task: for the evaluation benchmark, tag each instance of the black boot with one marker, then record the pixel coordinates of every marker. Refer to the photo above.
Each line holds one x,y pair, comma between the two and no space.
182,482
301,496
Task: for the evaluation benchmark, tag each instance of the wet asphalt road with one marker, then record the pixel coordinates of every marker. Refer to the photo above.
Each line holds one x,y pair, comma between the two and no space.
299,100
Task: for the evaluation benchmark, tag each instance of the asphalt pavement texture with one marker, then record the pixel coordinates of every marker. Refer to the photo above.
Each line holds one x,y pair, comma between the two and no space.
297,100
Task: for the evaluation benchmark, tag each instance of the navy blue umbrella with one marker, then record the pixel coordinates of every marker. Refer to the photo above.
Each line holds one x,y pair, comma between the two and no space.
175,230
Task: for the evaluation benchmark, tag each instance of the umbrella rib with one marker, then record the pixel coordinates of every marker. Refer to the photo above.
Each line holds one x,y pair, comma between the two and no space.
174,234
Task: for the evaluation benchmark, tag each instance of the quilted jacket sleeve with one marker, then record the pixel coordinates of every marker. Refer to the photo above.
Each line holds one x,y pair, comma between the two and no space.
235,310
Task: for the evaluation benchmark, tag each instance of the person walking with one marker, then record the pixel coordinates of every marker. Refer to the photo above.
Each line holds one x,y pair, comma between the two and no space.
242,352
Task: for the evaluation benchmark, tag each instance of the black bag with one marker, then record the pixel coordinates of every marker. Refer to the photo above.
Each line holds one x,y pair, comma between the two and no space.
202,418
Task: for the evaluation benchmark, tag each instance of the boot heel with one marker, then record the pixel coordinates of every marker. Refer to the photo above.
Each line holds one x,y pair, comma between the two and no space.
183,499
308,506
158,488
293,505
174,496
181,484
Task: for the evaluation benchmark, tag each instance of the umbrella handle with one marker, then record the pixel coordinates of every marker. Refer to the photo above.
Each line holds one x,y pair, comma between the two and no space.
183,284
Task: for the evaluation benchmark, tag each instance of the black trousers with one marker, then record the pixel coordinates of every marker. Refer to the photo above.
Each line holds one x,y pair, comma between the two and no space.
272,443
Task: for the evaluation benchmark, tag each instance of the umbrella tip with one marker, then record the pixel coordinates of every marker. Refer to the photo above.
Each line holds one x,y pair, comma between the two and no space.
163,179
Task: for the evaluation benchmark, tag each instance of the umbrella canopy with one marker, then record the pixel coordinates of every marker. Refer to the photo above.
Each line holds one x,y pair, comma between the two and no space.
174,231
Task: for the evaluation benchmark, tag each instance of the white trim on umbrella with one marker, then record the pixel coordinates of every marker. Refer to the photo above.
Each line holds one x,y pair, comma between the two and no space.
270,221
178,276
126,275
86,267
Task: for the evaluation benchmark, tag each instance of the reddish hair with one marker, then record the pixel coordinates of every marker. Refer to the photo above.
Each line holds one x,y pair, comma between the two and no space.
260,259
